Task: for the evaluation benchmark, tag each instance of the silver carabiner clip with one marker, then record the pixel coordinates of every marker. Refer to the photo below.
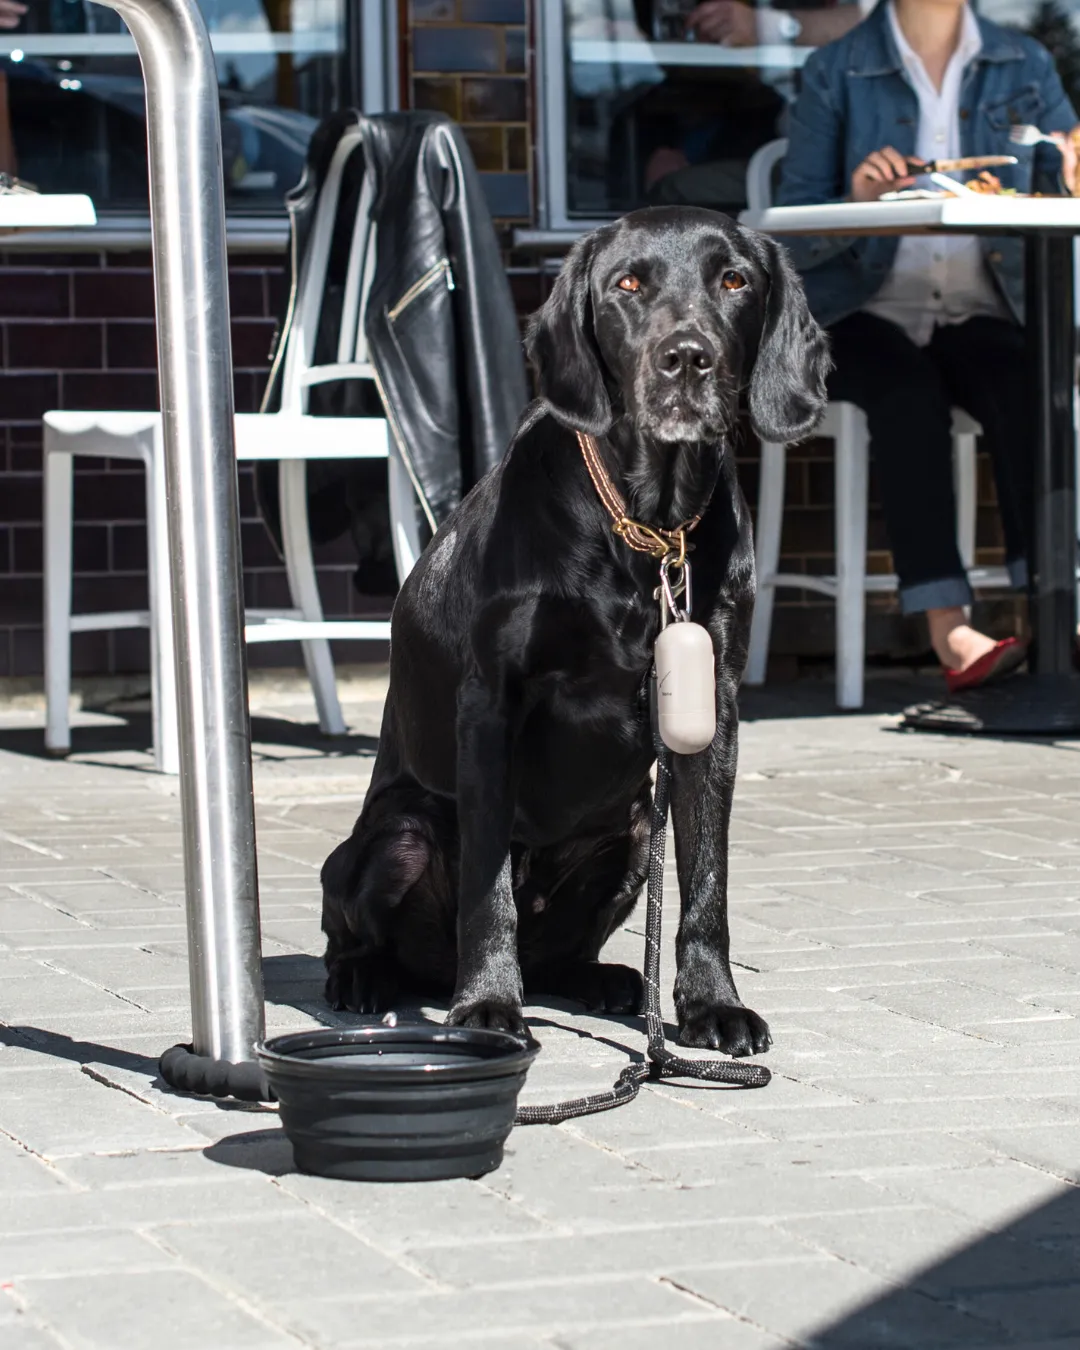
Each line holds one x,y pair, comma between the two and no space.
668,594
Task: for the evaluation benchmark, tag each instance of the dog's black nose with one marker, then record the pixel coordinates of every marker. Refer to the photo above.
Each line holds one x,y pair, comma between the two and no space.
685,352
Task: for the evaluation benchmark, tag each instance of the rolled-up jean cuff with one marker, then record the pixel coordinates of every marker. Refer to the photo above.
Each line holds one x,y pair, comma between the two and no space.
942,594
1018,573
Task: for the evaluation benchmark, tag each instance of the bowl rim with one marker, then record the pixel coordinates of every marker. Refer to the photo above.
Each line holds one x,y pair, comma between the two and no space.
282,1055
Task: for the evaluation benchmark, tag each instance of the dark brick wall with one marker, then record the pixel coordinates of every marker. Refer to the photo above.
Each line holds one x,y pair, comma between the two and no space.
77,331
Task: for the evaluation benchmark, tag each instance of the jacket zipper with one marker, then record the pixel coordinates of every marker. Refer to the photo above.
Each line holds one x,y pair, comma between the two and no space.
441,269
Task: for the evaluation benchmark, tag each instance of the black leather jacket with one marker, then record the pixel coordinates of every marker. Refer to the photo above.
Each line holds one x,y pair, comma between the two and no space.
442,332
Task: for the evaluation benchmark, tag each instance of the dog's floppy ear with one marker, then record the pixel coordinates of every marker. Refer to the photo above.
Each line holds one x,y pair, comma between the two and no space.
562,348
787,387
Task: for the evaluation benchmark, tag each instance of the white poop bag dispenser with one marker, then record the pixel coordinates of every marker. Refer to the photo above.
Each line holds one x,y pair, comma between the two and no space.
684,666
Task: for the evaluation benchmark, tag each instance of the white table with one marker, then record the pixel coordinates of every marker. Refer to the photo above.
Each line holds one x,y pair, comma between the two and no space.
1048,701
44,211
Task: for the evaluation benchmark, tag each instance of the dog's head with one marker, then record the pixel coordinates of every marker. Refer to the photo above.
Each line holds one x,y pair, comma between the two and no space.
664,316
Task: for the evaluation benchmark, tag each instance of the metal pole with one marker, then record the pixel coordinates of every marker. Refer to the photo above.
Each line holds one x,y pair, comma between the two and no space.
187,217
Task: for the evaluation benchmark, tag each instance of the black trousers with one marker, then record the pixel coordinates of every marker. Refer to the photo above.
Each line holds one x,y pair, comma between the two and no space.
907,393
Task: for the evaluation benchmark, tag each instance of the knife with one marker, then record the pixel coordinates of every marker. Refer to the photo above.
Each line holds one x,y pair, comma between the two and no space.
953,165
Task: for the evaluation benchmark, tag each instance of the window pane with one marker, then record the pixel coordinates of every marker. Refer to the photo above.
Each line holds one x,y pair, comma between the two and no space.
76,107
658,114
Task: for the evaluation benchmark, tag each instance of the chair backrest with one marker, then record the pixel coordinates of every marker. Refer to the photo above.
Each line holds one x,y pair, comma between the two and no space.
300,371
759,174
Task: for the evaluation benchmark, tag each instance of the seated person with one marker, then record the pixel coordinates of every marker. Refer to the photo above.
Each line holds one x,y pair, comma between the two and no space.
920,324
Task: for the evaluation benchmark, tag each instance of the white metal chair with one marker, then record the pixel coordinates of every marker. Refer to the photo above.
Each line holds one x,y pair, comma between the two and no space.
291,436
845,425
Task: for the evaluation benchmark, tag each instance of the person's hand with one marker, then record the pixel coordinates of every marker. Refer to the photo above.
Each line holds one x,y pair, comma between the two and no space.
882,171
1066,143
727,21
11,11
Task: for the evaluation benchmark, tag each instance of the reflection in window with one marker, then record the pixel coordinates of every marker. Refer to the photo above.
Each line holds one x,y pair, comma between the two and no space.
76,108
656,114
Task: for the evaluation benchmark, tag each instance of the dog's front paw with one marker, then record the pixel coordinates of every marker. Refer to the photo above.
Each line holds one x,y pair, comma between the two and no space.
360,982
724,1026
493,1014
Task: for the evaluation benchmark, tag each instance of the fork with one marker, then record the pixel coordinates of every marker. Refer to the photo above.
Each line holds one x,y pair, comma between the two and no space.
1028,135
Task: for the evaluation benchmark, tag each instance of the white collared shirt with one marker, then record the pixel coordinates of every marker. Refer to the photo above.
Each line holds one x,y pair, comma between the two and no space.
937,279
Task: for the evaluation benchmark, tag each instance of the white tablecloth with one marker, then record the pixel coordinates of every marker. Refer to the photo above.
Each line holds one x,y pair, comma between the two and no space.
965,215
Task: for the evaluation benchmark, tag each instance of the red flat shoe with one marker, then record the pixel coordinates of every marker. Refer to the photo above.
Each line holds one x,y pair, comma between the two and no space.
1001,660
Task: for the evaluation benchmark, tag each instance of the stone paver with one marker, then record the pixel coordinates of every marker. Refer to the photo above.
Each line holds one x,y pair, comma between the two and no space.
905,911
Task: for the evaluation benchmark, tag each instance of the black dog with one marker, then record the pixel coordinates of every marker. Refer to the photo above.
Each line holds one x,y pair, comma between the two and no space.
504,836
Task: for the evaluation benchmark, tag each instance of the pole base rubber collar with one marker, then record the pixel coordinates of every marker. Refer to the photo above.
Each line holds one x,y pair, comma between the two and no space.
186,1071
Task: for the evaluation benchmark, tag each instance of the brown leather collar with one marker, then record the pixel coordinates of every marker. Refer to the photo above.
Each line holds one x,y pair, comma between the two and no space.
644,538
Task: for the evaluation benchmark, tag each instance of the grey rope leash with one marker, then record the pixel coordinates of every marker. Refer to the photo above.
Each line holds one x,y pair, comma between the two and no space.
660,1062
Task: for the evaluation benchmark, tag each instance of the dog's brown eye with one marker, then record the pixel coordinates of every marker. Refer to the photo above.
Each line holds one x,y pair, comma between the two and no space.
629,283
733,281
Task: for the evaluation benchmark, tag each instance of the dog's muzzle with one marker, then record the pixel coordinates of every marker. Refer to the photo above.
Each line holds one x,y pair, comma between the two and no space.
686,390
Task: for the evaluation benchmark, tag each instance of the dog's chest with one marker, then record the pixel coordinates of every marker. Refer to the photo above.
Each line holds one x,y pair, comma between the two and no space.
585,763
598,661
586,741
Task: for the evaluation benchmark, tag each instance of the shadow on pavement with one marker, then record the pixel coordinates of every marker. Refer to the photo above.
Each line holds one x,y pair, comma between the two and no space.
57,1046
92,1057
266,1151
131,731
885,695
1018,1286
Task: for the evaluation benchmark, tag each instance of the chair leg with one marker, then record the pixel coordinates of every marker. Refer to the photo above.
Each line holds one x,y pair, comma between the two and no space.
767,531
403,524
304,588
852,472
964,479
58,563
165,712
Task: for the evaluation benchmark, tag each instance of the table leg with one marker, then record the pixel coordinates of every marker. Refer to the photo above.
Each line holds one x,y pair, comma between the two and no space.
1052,334
1047,701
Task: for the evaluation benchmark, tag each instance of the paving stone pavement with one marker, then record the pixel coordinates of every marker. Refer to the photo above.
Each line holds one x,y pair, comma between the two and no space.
904,911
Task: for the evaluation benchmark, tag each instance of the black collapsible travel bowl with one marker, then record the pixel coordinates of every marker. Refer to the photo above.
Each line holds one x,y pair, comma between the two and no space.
404,1103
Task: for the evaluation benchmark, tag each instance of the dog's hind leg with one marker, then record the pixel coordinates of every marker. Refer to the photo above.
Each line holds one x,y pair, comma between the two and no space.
364,880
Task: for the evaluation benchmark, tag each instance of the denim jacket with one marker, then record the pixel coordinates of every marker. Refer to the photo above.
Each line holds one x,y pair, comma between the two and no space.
856,98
